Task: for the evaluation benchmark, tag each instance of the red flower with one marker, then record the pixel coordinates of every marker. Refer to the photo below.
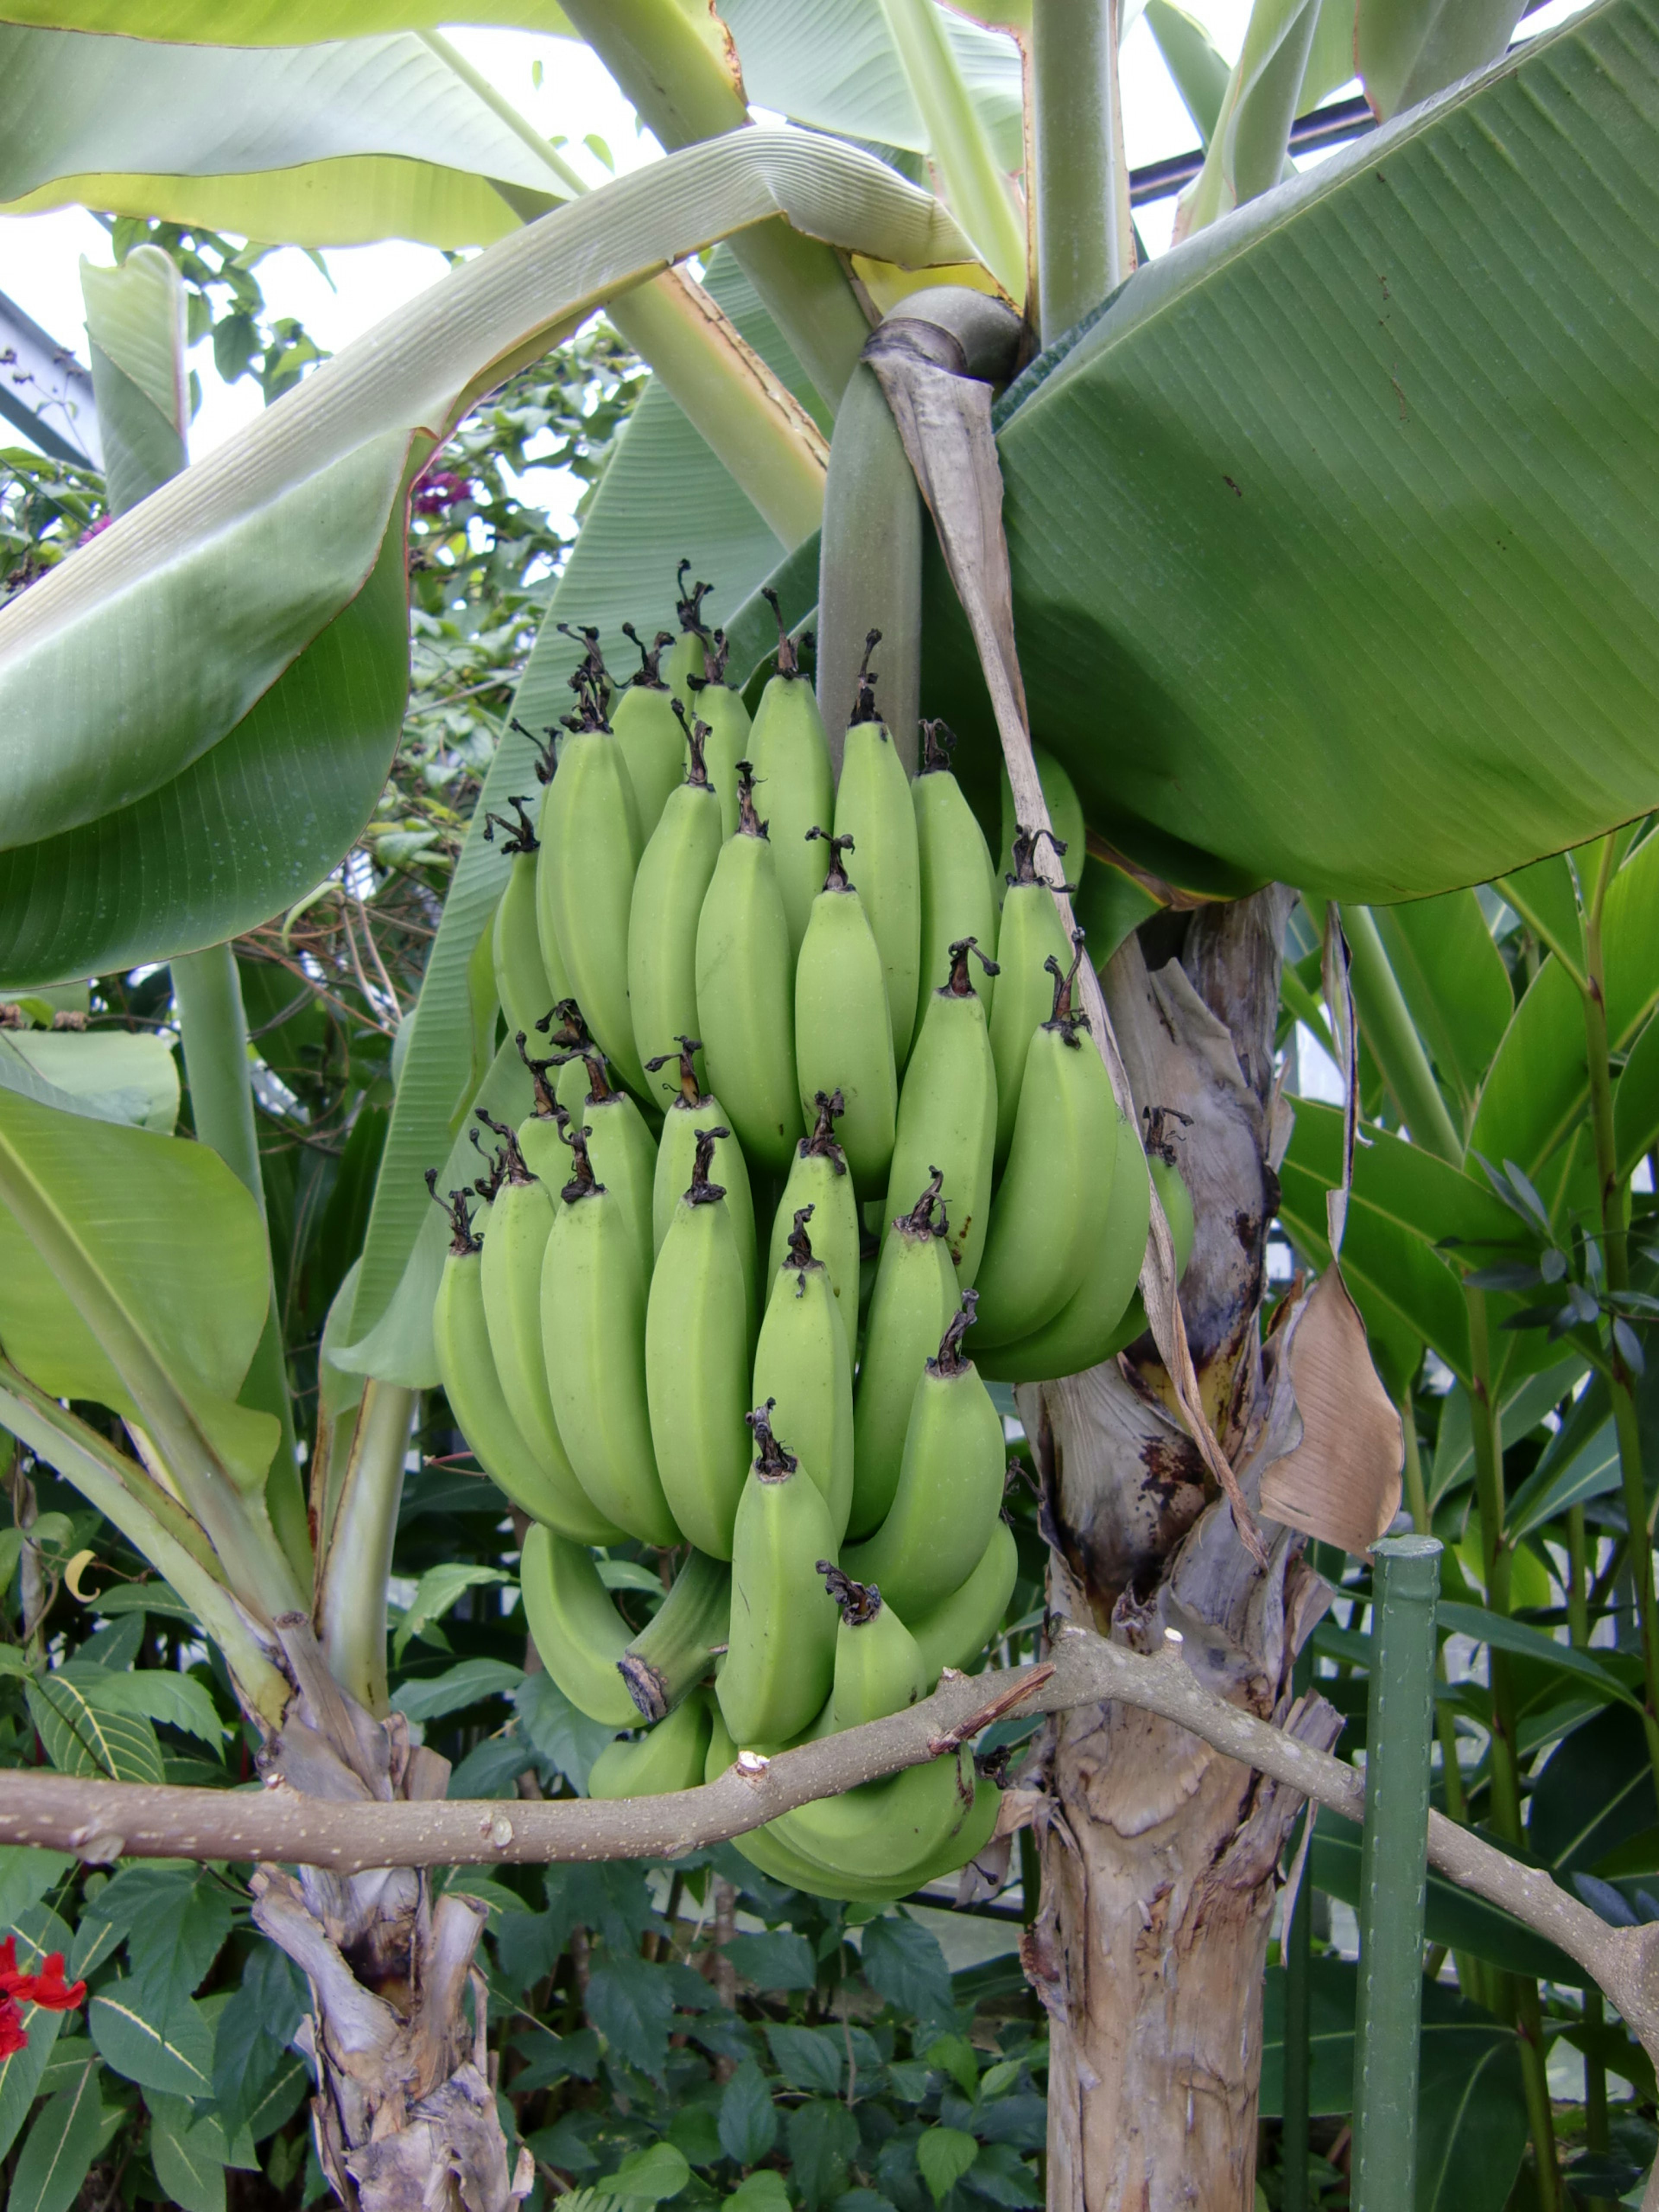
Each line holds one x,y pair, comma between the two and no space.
48,1990
12,2037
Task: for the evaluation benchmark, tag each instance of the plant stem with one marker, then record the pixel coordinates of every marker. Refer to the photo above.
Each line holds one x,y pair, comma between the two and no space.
1389,1028
207,996
1084,237
351,1607
976,187
1596,2072
1506,1775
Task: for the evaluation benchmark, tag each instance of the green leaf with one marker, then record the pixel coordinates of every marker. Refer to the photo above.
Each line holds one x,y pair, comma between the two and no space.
133,1272
1468,326
761,2191
188,2155
1245,153
26,1875
778,1960
332,144
1455,983
57,2155
1521,1407
429,1699
944,2155
1635,1101
663,497
174,1920
1546,896
748,2117
1594,1794
84,1734
37,1932
824,2140
1503,1634
160,2046
649,2176
298,23
281,2098
106,1073
217,612
436,1591
902,1962
807,2057
1194,62
154,1694
631,2002
1409,50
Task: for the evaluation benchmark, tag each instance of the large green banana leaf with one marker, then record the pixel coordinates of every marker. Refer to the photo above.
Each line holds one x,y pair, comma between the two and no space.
664,498
278,22
196,712
319,145
1335,541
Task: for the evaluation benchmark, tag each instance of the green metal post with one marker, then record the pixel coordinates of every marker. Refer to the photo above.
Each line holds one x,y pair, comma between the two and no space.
1393,1872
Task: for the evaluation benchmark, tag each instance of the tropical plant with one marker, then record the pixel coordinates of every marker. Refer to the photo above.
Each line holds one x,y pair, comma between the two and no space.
1270,647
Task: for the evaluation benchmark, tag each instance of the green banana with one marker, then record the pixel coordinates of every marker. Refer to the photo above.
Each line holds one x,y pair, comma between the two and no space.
671,1756
622,1150
558,980
1052,1207
958,883
673,877
745,1000
881,1829
949,1486
819,1180
1104,1312
675,1650
651,738
1030,935
803,1367
911,1309
843,1037
873,806
791,755
466,1368
955,1632
1060,796
879,1668
538,1135
780,1655
727,742
677,1157
591,847
575,1626
686,655
522,984
947,1115
593,1295
696,1360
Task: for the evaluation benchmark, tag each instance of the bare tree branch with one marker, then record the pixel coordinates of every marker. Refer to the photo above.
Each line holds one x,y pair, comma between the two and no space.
104,1821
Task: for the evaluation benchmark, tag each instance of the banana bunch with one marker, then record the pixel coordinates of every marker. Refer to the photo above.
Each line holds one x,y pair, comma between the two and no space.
820,1145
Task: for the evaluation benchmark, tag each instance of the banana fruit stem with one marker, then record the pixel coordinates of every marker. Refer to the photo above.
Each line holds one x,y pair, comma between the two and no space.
351,1604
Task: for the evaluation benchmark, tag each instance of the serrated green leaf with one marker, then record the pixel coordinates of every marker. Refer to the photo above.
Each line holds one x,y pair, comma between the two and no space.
429,1697
165,2047
649,2176
84,1734
154,1694
174,1920
944,2155
437,1590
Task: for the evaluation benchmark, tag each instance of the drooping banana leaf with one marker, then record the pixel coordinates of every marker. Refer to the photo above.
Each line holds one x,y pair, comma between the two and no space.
196,712
319,145
663,498
1335,541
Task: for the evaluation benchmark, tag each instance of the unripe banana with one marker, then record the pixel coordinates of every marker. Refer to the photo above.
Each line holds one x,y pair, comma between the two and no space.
955,1632
686,656
958,883
1031,934
1064,809
466,1368
911,1309
727,742
879,1668
622,1150
676,1150
804,1370
950,1484
593,1297
792,774
843,1037
780,1657
874,808
575,1626
697,1361
591,847
1052,1207
652,740
882,1829
819,1178
745,995
521,979
538,1136
671,1756
778,1860
1104,1313
673,877
947,1115
675,1650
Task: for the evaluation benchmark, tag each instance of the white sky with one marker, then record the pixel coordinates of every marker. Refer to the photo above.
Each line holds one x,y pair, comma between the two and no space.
39,255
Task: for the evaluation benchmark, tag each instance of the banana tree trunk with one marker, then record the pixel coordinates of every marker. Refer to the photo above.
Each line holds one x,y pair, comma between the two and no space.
1159,1857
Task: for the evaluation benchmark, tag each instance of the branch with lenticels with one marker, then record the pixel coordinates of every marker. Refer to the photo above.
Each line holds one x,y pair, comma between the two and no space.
105,1820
